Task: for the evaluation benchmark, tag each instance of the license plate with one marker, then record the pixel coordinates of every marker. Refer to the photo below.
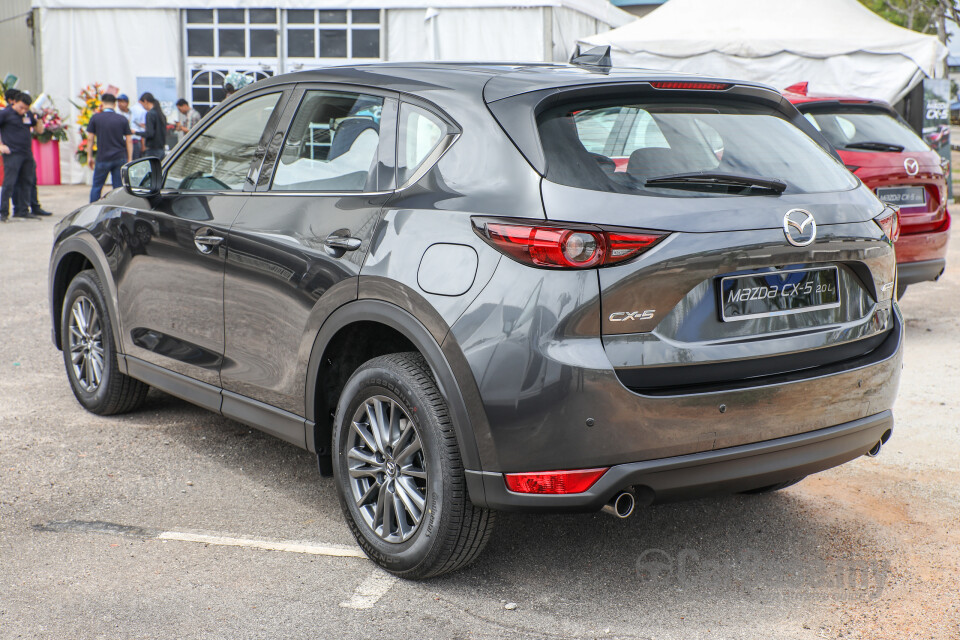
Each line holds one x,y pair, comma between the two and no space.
777,293
903,196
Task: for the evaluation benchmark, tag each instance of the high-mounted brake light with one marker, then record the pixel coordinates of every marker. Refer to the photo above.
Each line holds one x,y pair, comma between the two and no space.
555,482
561,247
889,222
701,86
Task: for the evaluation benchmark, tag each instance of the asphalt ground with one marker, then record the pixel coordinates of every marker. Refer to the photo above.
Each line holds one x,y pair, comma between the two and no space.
172,522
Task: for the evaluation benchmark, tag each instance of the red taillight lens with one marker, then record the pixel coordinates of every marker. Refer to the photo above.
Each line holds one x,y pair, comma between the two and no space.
889,221
562,247
702,86
576,481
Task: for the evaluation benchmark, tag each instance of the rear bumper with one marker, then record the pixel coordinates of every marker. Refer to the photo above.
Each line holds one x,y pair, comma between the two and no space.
914,272
699,474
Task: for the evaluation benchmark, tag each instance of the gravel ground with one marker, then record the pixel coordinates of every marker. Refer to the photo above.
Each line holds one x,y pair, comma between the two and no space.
868,550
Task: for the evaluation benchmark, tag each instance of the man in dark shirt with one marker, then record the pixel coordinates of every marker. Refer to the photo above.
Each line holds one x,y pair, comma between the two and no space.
15,145
110,131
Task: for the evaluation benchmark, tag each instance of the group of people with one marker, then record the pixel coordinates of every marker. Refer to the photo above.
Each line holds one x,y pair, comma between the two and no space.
118,133
19,167
122,135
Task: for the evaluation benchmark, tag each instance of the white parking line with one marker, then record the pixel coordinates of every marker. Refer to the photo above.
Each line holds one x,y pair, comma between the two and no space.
342,551
369,592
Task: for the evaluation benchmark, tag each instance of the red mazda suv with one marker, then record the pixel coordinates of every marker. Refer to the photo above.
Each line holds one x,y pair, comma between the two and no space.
896,164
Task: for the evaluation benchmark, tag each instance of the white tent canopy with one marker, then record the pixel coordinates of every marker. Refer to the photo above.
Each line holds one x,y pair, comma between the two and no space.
839,46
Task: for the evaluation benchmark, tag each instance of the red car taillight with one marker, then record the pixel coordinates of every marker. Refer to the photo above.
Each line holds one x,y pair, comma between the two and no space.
562,247
889,222
576,481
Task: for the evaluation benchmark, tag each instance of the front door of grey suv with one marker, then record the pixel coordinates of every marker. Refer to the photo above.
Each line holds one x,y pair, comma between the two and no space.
297,247
171,290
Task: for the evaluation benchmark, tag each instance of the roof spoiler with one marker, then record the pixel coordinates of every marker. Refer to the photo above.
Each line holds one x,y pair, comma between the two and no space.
595,57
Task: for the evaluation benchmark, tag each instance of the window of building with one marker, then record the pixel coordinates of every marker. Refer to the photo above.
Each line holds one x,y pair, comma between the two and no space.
231,33
206,85
333,33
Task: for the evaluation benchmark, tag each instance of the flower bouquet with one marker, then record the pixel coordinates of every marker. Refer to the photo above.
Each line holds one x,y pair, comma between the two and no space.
90,95
53,126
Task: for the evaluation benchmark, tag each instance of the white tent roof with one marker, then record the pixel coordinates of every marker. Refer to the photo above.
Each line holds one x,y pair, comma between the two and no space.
839,46
599,9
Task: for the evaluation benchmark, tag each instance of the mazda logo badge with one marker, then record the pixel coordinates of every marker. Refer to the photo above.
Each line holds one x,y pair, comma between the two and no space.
799,227
912,166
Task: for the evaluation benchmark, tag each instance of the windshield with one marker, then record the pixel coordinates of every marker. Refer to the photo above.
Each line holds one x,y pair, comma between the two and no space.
631,147
856,130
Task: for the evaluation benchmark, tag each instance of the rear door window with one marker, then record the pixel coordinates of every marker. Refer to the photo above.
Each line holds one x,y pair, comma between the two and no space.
621,147
332,144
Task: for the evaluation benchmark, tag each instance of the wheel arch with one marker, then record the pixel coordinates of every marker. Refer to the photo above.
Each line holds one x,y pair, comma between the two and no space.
411,330
71,256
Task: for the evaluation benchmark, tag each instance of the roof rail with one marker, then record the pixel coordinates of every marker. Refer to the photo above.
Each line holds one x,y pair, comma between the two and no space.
595,57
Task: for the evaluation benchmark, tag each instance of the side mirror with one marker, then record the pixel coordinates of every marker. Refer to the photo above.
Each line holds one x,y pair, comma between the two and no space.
141,177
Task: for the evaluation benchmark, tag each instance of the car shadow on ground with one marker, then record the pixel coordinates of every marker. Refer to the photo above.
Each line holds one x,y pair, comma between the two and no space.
742,551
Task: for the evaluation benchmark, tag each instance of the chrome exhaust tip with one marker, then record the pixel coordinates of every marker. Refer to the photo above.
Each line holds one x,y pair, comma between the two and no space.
875,451
621,505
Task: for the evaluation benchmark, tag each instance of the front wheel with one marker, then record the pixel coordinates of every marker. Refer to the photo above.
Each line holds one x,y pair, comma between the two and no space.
89,354
399,474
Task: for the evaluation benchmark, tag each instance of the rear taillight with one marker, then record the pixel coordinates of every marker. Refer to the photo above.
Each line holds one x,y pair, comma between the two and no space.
701,86
562,247
889,222
556,482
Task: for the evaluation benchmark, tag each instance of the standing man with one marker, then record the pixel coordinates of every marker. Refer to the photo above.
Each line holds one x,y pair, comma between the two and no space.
135,118
188,117
110,131
19,167
155,129
28,180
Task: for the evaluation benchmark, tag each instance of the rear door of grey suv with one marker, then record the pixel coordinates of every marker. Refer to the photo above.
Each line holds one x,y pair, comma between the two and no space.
297,247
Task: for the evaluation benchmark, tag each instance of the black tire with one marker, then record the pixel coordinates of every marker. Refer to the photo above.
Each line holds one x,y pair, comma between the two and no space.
772,487
114,392
452,531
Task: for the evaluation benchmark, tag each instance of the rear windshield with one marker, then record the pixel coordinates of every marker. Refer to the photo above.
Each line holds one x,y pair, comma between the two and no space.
622,147
857,130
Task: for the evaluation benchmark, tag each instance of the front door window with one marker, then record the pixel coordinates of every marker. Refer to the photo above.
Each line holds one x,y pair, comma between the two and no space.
219,159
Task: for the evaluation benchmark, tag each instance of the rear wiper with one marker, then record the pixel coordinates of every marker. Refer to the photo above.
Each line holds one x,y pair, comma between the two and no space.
875,146
700,178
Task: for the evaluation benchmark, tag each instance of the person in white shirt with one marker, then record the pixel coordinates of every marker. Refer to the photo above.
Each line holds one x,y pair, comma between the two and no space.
137,117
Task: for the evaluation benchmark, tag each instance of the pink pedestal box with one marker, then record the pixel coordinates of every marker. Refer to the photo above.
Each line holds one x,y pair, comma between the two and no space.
47,155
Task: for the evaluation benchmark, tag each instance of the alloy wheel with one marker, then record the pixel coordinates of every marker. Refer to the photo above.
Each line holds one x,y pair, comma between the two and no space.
387,470
86,344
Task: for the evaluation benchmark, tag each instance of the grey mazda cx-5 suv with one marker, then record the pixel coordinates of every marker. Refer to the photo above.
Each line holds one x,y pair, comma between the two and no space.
481,287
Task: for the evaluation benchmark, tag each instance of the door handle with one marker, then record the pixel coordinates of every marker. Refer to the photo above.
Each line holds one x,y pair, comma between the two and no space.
205,241
346,243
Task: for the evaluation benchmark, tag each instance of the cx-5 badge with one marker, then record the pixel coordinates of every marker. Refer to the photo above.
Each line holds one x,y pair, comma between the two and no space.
623,316
799,227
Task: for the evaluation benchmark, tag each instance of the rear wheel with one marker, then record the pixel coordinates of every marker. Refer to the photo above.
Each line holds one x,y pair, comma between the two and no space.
772,487
89,354
398,471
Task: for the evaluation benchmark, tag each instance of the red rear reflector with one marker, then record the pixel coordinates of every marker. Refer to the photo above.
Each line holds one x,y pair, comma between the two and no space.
556,482
702,86
562,247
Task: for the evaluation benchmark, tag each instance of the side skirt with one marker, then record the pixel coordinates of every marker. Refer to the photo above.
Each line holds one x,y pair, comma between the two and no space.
276,422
